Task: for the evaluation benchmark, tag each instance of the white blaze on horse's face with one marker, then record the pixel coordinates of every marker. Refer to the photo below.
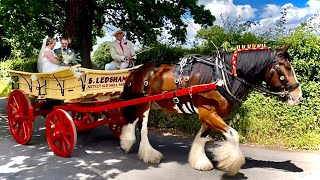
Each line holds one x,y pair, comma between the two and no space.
295,95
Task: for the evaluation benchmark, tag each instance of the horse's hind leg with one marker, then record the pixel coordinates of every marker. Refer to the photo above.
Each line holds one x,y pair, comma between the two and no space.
197,157
146,152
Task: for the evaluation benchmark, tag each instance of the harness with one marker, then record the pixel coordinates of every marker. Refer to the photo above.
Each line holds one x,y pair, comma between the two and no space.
222,73
225,73
182,74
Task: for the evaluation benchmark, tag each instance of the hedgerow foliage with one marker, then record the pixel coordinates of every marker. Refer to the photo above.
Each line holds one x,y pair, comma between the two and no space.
266,120
19,64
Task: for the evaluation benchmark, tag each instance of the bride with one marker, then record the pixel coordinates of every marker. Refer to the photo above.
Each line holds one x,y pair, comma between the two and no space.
47,61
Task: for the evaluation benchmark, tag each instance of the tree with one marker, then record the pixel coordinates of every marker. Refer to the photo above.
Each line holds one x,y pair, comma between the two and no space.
84,19
142,20
25,23
102,55
79,26
228,36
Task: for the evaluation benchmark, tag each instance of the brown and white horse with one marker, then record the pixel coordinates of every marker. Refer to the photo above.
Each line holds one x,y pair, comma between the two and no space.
236,74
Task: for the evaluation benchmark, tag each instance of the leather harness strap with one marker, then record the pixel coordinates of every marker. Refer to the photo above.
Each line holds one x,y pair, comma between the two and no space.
182,73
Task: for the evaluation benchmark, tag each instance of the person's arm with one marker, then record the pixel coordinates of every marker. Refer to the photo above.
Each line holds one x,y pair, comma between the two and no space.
51,57
114,54
132,52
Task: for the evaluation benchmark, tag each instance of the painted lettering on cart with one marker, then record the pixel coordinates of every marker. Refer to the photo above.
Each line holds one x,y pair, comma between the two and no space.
106,81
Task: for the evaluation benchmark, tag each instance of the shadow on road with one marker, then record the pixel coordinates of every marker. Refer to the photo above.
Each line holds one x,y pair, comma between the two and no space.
285,165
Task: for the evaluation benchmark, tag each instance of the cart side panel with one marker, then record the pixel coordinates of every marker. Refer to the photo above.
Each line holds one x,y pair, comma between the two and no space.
61,84
102,82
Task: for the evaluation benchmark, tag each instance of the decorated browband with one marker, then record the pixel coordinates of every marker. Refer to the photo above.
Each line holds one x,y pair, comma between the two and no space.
242,48
252,46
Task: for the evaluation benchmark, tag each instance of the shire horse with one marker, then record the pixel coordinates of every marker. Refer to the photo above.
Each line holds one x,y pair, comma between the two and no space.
235,75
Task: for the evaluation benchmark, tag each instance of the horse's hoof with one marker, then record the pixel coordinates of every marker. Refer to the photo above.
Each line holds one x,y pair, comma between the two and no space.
125,148
202,164
150,156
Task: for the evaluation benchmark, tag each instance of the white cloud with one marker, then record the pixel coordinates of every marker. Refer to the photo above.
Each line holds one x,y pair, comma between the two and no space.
228,9
271,11
192,30
295,15
314,6
267,18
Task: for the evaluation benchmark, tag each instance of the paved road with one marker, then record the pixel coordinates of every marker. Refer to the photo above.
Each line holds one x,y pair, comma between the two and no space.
97,156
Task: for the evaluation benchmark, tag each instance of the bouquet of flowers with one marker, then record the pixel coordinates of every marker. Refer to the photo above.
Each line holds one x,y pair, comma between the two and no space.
69,58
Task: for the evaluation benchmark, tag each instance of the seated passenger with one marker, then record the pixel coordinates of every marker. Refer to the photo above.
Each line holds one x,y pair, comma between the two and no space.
47,59
122,52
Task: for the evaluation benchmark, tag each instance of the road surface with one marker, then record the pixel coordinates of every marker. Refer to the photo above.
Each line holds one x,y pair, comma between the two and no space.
98,156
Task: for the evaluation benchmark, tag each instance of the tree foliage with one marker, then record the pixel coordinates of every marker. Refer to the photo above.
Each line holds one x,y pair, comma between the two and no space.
227,36
102,55
26,22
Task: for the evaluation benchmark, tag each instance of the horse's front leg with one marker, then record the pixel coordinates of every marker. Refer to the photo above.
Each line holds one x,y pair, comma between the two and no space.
146,152
128,137
228,153
197,156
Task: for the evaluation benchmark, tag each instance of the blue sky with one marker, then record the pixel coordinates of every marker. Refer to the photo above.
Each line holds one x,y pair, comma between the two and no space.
261,3
267,12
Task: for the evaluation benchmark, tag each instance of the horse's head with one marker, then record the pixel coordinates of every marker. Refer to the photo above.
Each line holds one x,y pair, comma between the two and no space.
281,77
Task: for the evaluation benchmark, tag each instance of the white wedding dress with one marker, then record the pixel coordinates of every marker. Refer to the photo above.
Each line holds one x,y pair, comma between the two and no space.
45,65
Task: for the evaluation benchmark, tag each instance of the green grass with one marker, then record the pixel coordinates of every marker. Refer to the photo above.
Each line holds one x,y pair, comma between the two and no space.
261,121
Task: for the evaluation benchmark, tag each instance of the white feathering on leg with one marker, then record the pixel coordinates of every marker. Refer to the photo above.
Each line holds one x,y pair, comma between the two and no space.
146,152
228,154
128,136
197,156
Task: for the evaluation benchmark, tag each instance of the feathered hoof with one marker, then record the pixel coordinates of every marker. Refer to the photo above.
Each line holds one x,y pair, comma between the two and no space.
232,164
201,164
127,139
150,155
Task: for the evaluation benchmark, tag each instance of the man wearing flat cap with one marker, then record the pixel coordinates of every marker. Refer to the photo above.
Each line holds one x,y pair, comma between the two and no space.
122,52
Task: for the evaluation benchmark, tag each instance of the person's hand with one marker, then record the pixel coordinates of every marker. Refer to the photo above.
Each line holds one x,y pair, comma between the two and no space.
127,58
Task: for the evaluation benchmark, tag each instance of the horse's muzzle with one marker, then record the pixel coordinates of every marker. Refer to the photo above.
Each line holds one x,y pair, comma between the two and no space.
295,96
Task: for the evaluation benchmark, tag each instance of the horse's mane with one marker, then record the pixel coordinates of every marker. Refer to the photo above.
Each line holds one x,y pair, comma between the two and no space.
251,65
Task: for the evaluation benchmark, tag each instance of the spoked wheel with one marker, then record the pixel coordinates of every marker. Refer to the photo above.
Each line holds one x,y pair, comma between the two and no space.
20,116
61,133
117,122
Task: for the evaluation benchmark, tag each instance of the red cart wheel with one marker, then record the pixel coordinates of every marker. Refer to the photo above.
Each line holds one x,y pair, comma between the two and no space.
20,116
117,122
61,133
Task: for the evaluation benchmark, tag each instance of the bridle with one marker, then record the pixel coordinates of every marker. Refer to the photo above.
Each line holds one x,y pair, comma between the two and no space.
282,78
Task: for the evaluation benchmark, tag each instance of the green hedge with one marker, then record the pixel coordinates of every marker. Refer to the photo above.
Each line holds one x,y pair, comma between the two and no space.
27,65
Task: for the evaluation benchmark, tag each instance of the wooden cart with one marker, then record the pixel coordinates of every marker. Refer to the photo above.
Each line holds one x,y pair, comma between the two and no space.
73,99
40,93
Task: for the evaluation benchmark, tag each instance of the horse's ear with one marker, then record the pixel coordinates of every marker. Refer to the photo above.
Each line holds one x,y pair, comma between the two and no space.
284,48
